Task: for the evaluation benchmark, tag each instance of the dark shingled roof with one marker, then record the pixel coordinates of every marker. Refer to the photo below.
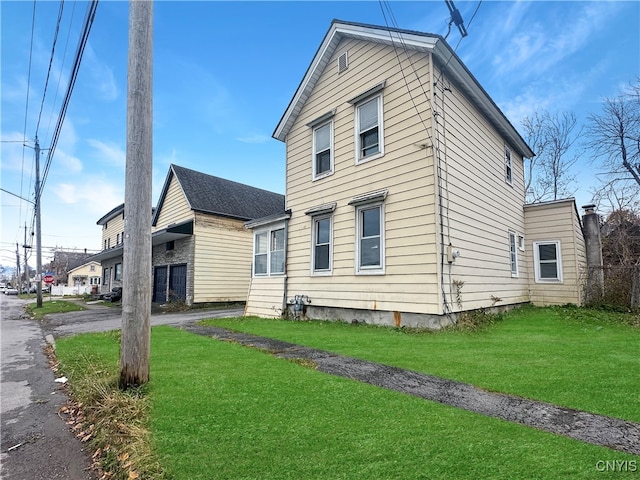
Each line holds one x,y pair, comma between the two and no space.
217,196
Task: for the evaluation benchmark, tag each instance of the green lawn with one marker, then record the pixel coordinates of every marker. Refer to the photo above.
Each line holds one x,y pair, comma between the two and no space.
52,306
583,359
220,410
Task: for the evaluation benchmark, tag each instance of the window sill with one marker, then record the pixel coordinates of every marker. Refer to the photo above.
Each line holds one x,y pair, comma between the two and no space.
360,161
322,176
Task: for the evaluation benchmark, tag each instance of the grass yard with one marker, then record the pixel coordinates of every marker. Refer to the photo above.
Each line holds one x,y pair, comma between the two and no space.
52,306
578,358
218,410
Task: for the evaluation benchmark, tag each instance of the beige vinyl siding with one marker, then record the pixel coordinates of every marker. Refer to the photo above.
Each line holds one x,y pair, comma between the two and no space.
113,232
406,171
479,206
556,221
223,256
174,208
265,297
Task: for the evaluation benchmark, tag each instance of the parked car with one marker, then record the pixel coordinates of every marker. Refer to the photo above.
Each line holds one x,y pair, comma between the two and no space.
114,295
10,291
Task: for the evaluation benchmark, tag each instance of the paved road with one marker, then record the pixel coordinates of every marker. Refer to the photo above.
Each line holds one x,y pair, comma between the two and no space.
102,319
36,443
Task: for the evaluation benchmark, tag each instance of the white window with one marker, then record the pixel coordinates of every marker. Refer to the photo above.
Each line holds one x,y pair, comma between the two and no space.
508,171
369,129
118,275
547,261
322,244
269,252
323,150
513,254
370,238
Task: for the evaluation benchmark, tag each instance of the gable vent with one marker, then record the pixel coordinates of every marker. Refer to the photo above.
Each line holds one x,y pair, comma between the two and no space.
343,62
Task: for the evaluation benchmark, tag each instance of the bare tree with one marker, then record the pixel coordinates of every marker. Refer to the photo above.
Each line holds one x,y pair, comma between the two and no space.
614,134
552,137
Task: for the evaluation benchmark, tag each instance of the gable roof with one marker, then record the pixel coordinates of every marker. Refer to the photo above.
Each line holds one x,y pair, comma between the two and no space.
113,213
218,196
442,53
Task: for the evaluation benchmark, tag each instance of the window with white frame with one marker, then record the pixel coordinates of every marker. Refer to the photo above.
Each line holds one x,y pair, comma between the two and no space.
508,170
269,252
513,253
118,272
322,244
547,261
370,238
323,150
369,129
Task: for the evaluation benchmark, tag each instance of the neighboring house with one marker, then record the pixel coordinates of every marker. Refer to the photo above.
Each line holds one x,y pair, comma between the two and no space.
86,278
404,190
112,241
201,250
63,262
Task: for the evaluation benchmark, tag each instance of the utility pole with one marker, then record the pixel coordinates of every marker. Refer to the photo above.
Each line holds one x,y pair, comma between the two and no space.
38,230
26,265
135,343
18,281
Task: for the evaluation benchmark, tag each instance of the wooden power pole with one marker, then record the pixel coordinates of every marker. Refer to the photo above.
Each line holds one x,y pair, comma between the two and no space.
135,344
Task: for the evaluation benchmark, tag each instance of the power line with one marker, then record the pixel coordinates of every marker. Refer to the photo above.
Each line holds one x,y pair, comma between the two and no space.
26,108
53,51
88,22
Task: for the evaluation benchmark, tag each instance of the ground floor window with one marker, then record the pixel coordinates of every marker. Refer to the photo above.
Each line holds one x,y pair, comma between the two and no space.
547,261
370,238
269,252
513,253
118,273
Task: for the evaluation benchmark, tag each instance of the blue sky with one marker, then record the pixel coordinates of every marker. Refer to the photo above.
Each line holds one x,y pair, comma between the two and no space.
224,72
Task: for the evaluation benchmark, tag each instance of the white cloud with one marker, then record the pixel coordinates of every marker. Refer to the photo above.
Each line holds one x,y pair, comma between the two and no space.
103,79
109,153
95,194
253,138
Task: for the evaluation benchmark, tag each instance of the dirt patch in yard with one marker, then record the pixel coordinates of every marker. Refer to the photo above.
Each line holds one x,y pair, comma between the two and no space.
600,430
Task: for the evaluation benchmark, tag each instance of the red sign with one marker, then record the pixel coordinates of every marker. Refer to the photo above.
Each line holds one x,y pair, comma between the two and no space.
48,279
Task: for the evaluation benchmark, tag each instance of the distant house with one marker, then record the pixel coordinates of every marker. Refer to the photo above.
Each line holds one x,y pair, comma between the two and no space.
404,193
86,277
201,251
63,262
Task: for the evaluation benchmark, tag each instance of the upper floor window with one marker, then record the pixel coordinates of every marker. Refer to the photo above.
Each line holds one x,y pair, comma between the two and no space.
92,268
508,170
513,253
117,239
105,243
547,262
322,244
269,252
369,129
323,150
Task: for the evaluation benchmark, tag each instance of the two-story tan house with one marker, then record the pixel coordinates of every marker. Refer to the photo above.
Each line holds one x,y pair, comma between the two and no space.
404,191
201,251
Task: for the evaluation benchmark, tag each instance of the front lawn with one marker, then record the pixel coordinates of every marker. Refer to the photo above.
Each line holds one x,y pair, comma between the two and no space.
52,306
221,410
578,358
